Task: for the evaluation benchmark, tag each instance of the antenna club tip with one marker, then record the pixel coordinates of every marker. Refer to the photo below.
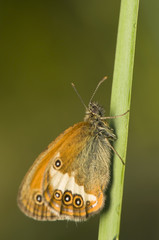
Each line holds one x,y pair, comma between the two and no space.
101,81
105,78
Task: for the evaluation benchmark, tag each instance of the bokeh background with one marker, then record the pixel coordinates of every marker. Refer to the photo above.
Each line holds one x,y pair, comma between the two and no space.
46,45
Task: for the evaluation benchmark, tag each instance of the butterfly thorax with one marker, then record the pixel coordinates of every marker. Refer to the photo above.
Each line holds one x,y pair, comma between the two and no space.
99,127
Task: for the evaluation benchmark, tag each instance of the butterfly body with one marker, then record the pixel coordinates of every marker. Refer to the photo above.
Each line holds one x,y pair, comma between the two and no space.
68,180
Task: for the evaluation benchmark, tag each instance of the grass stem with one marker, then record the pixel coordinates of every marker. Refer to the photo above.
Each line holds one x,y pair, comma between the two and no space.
109,226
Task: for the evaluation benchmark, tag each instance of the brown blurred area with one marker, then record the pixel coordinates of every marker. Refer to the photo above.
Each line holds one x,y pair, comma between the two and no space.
46,45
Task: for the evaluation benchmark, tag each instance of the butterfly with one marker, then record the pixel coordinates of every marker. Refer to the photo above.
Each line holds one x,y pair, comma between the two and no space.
68,180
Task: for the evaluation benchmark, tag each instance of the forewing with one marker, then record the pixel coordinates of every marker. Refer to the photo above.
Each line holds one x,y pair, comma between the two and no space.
30,197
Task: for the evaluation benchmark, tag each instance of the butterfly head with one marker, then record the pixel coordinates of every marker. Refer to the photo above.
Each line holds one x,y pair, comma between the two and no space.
94,112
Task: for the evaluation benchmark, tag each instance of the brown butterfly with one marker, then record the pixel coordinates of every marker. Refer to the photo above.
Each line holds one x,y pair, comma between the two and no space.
68,179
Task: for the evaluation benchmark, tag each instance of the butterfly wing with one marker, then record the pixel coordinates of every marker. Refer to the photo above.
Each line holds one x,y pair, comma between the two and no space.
67,180
77,176
30,196
67,198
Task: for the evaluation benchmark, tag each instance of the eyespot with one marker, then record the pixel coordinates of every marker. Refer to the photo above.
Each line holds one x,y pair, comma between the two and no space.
77,201
38,198
57,195
67,198
57,164
88,203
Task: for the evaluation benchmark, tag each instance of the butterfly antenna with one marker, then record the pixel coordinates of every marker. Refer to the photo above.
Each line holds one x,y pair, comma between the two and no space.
97,88
73,85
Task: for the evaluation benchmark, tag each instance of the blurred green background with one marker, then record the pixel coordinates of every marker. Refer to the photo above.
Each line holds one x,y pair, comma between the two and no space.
46,45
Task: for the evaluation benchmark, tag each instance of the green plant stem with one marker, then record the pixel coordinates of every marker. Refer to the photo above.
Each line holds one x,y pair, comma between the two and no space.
120,102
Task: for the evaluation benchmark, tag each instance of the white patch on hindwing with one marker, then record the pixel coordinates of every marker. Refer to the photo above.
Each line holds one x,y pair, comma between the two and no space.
65,182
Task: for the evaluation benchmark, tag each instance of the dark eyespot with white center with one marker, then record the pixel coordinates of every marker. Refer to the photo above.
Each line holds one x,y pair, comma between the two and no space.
77,201
57,195
67,198
57,164
38,198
